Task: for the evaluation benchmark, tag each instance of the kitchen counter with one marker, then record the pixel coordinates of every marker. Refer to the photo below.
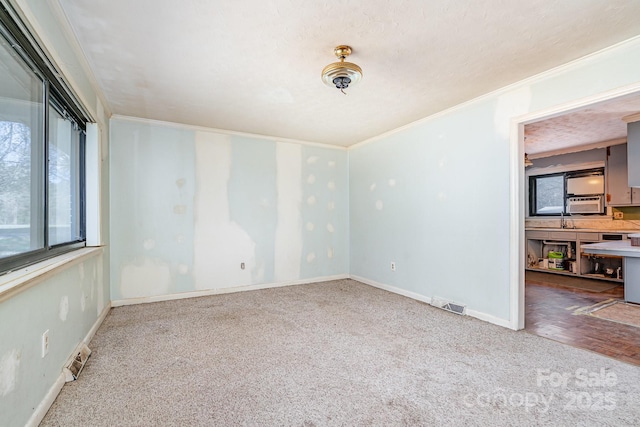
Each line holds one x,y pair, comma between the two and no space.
631,266
615,248
583,230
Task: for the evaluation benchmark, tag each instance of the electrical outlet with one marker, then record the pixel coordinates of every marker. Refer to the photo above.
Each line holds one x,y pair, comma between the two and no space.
618,215
242,266
393,266
45,343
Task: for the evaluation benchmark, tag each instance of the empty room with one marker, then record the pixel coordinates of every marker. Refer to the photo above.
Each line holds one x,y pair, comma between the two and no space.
319,213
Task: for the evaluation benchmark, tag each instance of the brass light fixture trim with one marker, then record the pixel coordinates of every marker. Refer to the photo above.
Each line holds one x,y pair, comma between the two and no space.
341,74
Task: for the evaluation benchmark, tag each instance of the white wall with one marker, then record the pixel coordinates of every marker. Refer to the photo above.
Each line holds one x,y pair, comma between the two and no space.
189,206
446,221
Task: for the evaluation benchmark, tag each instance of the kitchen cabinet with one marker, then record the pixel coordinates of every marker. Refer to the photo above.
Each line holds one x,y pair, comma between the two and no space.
633,153
618,191
577,263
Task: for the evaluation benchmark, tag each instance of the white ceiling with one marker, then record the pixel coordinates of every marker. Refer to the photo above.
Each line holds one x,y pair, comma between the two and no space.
596,123
254,65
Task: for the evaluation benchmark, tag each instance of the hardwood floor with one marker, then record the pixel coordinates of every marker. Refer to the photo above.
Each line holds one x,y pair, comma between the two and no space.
549,313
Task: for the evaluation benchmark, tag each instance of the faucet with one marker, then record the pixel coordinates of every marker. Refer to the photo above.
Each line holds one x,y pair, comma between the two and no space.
562,223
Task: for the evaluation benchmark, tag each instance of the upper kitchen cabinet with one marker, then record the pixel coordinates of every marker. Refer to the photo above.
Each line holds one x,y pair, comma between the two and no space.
633,151
618,191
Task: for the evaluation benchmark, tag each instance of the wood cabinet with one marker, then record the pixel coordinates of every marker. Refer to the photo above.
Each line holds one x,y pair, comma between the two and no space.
618,191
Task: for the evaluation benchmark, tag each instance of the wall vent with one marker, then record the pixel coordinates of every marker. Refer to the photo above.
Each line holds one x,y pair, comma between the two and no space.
76,362
449,306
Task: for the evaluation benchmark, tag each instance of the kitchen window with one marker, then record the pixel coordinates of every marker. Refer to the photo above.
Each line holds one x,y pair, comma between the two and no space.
553,194
42,140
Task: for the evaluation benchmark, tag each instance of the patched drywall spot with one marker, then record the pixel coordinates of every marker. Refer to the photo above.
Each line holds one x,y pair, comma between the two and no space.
442,195
442,162
149,244
331,205
183,269
330,228
311,179
288,243
379,205
310,226
511,104
372,187
330,253
311,256
145,278
220,244
9,371
179,209
312,159
63,308
83,302
392,182
331,164
181,182
264,203
180,238
331,185
311,200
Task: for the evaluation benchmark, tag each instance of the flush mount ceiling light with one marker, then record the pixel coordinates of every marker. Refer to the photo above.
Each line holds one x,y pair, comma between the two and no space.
341,74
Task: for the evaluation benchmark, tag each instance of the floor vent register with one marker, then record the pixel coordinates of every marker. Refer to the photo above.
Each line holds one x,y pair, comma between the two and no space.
76,363
449,306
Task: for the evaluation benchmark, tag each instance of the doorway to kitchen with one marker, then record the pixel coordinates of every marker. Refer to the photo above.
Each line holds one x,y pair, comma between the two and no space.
560,291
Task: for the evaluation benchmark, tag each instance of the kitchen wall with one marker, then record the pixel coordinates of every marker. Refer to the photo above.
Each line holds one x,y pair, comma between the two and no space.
434,197
189,206
70,300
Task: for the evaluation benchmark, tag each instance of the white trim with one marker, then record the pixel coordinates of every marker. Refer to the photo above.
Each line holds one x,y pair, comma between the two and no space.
41,410
87,339
20,280
520,83
517,190
224,131
218,291
392,289
93,193
419,297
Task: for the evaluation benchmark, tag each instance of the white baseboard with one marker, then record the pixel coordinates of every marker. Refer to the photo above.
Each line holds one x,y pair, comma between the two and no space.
414,295
395,290
207,292
46,403
50,397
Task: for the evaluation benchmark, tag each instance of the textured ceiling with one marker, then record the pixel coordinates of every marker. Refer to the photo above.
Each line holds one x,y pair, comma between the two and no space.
596,123
254,65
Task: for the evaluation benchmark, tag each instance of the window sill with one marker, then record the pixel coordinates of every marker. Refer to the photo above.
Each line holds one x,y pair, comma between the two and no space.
20,280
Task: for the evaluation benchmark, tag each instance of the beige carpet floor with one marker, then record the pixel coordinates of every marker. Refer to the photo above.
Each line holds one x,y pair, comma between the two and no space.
337,353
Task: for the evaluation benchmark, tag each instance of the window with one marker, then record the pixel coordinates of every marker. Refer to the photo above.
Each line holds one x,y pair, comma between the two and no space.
549,195
41,160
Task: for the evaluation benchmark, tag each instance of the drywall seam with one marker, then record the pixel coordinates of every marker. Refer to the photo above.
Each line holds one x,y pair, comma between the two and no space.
208,292
27,277
224,132
516,85
50,397
419,297
288,239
